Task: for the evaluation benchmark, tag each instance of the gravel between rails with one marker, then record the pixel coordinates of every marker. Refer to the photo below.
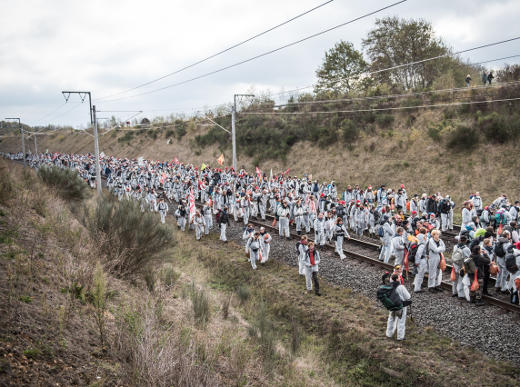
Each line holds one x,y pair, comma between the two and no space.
487,328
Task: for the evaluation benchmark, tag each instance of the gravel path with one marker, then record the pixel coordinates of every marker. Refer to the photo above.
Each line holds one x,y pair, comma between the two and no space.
488,328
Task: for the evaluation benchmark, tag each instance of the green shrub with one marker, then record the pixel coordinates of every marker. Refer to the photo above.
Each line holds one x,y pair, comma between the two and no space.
349,130
32,353
463,138
434,132
495,127
180,128
127,137
328,136
66,181
128,238
385,120
152,133
169,133
243,293
26,299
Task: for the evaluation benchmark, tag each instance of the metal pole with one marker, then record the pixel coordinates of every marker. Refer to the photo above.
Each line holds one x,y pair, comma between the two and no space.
233,114
23,141
233,138
35,145
96,151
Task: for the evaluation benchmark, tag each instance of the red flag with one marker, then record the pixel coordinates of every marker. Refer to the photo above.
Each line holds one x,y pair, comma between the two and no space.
175,160
192,205
406,267
287,172
258,173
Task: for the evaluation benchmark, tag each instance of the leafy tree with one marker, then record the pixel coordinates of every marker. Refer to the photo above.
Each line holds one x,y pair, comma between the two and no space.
509,73
397,41
341,69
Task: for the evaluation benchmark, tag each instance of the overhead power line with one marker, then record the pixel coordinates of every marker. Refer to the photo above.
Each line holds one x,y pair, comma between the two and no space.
367,73
218,53
263,54
402,95
274,113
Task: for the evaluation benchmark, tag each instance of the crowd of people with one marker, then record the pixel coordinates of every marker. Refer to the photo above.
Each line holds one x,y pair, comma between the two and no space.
408,226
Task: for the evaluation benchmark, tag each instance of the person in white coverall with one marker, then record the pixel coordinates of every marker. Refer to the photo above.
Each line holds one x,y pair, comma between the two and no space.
397,319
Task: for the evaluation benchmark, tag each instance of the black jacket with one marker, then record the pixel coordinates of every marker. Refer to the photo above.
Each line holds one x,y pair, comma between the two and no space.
482,262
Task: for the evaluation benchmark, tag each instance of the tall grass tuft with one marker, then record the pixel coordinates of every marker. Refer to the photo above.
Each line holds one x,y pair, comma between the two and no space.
200,303
99,300
157,355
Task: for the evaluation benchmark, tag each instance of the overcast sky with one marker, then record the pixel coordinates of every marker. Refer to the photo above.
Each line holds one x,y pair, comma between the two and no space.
109,46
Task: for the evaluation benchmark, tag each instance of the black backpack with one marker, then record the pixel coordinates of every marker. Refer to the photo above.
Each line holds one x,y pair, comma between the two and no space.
298,247
511,265
413,251
389,298
444,207
499,250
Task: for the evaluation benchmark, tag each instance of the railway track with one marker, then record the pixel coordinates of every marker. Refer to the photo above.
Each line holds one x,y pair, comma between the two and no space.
364,251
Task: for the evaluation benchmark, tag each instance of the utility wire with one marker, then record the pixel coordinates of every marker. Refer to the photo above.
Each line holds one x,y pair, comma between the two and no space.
403,95
218,53
383,109
263,54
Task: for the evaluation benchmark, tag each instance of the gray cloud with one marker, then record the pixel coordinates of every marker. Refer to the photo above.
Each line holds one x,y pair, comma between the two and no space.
107,47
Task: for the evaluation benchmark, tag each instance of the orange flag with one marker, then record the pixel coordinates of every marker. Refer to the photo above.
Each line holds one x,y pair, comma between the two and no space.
220,160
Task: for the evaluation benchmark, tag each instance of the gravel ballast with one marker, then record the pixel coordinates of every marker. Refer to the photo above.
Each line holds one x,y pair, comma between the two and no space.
487,328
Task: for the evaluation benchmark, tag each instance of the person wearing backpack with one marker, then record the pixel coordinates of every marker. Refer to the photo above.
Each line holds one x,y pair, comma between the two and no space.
513,267
421,263
253,246
298,212
460,253
301,249
319,229
398,246
312,260
477,203
223,222
208,220
265,244
480,263
283,215
444,209
514,211
435,247
397,313
501,248
466,215
485,217
340,232
387,233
